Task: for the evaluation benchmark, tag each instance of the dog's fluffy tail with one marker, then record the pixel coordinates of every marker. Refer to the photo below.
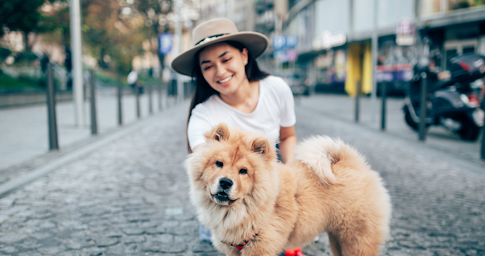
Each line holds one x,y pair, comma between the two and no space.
320,152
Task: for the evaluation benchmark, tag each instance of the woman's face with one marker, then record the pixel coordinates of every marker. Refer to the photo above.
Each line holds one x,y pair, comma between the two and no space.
223,67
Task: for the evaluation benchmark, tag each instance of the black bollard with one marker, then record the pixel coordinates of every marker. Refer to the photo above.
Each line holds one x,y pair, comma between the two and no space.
120,109
160,84
482,150
92,99
357,96
150,103
383,108
137,94
422,116
51,110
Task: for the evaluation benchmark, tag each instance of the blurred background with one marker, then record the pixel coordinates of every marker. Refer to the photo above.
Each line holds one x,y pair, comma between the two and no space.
325,44
317,46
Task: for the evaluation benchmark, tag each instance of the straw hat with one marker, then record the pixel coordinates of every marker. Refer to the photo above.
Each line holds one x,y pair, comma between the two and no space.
215,31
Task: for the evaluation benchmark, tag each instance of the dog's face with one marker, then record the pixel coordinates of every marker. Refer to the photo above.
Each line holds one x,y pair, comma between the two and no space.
231,167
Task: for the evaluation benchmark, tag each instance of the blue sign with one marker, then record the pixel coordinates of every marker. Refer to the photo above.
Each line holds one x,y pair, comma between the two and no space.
165,43
279,42
291,42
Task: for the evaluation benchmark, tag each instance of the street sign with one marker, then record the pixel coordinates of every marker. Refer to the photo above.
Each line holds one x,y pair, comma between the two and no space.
405,31
291,42
165,43
279,42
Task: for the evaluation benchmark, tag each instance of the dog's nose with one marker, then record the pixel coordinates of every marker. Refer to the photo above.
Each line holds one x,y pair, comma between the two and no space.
225,183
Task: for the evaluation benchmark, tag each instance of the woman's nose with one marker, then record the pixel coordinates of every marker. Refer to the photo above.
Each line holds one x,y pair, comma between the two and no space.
220,70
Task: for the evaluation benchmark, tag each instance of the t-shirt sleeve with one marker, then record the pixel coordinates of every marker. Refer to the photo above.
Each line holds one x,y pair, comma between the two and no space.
287,103
199,123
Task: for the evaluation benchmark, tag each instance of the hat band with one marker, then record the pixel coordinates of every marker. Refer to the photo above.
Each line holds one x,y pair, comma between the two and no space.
210,38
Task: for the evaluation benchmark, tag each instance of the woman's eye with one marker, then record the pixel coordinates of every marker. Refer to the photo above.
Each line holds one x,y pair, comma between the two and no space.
206,68
226,60
243,171
219,164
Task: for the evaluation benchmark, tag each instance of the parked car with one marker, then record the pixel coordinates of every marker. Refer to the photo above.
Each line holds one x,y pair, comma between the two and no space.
298,83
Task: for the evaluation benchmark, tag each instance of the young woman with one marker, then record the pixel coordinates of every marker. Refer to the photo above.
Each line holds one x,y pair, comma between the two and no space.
231,89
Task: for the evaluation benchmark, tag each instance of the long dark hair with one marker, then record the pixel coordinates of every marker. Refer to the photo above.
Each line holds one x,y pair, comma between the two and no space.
203,90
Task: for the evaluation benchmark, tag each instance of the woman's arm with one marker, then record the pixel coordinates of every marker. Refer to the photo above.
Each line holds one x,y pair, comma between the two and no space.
287,144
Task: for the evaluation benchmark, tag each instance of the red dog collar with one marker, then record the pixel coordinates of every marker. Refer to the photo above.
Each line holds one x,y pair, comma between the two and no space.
244,242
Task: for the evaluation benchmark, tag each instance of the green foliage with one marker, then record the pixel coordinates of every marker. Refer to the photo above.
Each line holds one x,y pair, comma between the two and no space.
21,83
20,15
25,57
4,53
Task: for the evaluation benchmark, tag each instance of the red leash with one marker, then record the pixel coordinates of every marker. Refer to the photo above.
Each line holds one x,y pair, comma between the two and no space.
294,252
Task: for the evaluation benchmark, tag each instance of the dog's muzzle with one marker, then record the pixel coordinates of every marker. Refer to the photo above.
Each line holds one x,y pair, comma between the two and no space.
225,184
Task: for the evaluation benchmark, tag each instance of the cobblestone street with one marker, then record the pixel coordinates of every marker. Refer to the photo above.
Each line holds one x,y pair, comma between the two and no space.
130,197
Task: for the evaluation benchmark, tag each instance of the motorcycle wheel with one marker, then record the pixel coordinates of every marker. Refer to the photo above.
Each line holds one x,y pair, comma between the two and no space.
469,130
409,120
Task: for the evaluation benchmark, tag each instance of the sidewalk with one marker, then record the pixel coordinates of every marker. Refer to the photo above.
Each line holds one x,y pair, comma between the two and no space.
342,107
24,135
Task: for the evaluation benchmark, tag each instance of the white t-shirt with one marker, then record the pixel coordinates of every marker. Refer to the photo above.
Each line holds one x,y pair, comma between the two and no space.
275,109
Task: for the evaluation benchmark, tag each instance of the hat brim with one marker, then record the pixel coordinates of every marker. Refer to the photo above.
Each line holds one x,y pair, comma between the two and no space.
256,43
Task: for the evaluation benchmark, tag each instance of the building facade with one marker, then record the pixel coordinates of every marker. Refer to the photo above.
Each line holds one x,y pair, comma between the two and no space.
334,37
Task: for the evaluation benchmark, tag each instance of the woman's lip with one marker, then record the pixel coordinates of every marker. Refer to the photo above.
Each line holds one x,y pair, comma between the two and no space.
225,83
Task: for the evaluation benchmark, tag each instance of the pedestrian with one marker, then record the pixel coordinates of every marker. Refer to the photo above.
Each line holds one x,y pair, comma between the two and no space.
43,62
231,89
132,79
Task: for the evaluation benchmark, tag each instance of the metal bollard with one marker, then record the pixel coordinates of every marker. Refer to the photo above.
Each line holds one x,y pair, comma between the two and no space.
51,110
160,84
357,96
422,116
383,108
137,94
119,93
92,100
482,151
150,102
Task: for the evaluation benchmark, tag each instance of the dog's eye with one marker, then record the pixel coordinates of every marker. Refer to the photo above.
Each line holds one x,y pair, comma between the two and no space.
243,171
219,164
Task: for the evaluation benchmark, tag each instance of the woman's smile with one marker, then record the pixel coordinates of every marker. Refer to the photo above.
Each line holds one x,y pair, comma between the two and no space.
225,81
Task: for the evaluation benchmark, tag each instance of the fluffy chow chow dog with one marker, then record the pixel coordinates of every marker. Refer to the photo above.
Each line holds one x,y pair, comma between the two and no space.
254,205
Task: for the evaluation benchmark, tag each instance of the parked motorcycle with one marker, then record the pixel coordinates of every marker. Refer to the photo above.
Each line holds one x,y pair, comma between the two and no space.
453,104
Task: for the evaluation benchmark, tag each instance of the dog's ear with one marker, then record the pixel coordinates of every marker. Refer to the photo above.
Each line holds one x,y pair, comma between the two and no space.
261,145
218,133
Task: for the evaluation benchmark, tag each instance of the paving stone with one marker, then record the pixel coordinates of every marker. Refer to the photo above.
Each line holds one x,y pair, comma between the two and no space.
106,241
134,239
130,197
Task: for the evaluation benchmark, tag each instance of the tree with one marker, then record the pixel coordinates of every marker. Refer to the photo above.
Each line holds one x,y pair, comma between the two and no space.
107,33
155,13
24,16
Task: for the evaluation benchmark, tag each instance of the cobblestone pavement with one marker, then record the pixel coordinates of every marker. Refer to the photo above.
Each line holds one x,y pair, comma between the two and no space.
131,197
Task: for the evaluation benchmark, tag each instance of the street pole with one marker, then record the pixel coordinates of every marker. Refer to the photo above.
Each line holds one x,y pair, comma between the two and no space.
137,89
150,102
422,115
178,32
482,150
374,63
51,110
77,76
119,93
357,96
92,100
383,107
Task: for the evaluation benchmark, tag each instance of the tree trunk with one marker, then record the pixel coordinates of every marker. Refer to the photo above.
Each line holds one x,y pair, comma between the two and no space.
27,46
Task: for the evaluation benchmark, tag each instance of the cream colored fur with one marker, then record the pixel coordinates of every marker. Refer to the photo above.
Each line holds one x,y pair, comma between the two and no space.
330,188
